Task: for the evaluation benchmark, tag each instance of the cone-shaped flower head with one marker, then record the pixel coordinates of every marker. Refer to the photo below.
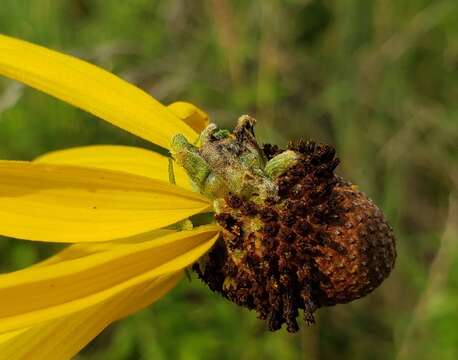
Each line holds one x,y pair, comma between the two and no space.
295,235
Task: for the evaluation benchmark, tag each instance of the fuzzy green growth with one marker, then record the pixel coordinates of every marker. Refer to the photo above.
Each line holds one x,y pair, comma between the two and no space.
279,164
230,162
187,155
221,134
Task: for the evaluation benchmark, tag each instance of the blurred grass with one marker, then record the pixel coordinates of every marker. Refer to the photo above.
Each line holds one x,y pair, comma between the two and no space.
378,79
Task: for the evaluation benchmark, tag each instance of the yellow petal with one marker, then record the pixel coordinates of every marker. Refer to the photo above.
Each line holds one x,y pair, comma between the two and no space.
190,114
92,89
63,203
62,338
39,294
75,251
122,158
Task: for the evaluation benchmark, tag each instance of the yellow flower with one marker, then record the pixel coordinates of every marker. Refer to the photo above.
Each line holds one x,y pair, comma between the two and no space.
113,202
294,235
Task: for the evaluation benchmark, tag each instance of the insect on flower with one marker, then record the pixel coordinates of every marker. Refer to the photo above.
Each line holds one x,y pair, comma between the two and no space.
287,233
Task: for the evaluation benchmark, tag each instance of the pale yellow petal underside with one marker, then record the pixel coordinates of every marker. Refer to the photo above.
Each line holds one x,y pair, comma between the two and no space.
39,294
63,203
191,115
133,160
92,89
78,250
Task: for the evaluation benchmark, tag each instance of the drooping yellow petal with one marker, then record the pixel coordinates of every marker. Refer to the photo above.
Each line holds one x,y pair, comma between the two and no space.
190,114
92,89
39,294
76,251
63,203
62,338
122,158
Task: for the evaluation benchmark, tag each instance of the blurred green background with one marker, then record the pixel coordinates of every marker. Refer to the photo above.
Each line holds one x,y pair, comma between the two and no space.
378,79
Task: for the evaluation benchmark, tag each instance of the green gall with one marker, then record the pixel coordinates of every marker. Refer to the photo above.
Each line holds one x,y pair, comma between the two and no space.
279,164
188,157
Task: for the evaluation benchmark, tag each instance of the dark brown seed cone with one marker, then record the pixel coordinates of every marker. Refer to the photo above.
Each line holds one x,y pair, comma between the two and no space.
321,243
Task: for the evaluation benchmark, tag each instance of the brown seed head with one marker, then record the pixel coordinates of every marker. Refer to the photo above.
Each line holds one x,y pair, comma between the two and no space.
295,235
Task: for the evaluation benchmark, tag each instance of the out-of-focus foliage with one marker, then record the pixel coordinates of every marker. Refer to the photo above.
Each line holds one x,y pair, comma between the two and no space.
379,79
